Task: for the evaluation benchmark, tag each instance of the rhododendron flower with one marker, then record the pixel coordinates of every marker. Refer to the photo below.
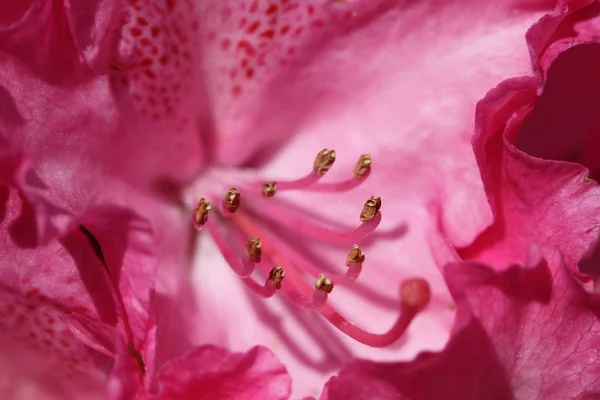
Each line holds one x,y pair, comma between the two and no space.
528,330
183,101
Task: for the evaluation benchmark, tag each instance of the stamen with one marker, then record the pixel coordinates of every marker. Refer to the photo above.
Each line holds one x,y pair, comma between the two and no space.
269,189
254,249
267,290
285,216
201,213
324,284
243,268
370,209
299,260
276,275
363,166
355,256
324,161
414,295
232,200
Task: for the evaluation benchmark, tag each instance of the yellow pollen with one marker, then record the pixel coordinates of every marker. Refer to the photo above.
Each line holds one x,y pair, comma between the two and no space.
269,189
355,256
363,165
276,275
233,199
370,208
201,212
324,284
254,249
324,161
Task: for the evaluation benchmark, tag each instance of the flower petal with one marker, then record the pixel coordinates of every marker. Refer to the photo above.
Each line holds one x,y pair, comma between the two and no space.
38,286
507,342
409,102
548,201
216,373
57,40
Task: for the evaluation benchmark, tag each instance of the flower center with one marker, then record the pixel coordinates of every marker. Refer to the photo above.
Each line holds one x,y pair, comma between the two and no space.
243,223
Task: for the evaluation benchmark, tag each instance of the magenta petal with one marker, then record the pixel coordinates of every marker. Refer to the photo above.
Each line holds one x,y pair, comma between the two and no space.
507,343
538,201
217,373
38,286
125,242
52,38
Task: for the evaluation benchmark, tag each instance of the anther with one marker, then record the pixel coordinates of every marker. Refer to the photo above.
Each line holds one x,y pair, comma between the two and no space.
254,249
232,200
276,275
363,166
324,161
269,189
324,284
355,256
201,213
370,209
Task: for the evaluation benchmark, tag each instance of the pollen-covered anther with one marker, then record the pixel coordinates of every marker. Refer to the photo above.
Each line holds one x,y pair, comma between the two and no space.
254,249
324,284
232,200
370,209
276,276
363,166
355,256
269,189
324,161
201,212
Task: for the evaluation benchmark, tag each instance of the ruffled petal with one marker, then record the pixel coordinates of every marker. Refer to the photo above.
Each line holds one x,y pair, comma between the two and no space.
38,286
536,158
506,343
57,40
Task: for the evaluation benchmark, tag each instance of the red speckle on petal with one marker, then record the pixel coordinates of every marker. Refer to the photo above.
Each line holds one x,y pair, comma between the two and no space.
155,31
249,73
135,32
247,47
236,90
253,27
225,44
269,34
311,9
285,29
272,9
254,6
142,21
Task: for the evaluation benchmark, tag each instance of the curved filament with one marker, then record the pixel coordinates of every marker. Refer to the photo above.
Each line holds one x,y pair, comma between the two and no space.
242,268
300,224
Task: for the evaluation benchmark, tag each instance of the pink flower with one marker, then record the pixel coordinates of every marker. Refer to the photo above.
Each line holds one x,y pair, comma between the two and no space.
529,330
232,94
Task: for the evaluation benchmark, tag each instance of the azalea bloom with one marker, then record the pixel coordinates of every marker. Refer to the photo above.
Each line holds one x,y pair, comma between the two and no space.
527,317
158,104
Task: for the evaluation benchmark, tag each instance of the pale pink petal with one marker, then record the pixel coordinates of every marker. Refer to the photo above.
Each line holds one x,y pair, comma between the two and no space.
397,80
507,343
214,373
